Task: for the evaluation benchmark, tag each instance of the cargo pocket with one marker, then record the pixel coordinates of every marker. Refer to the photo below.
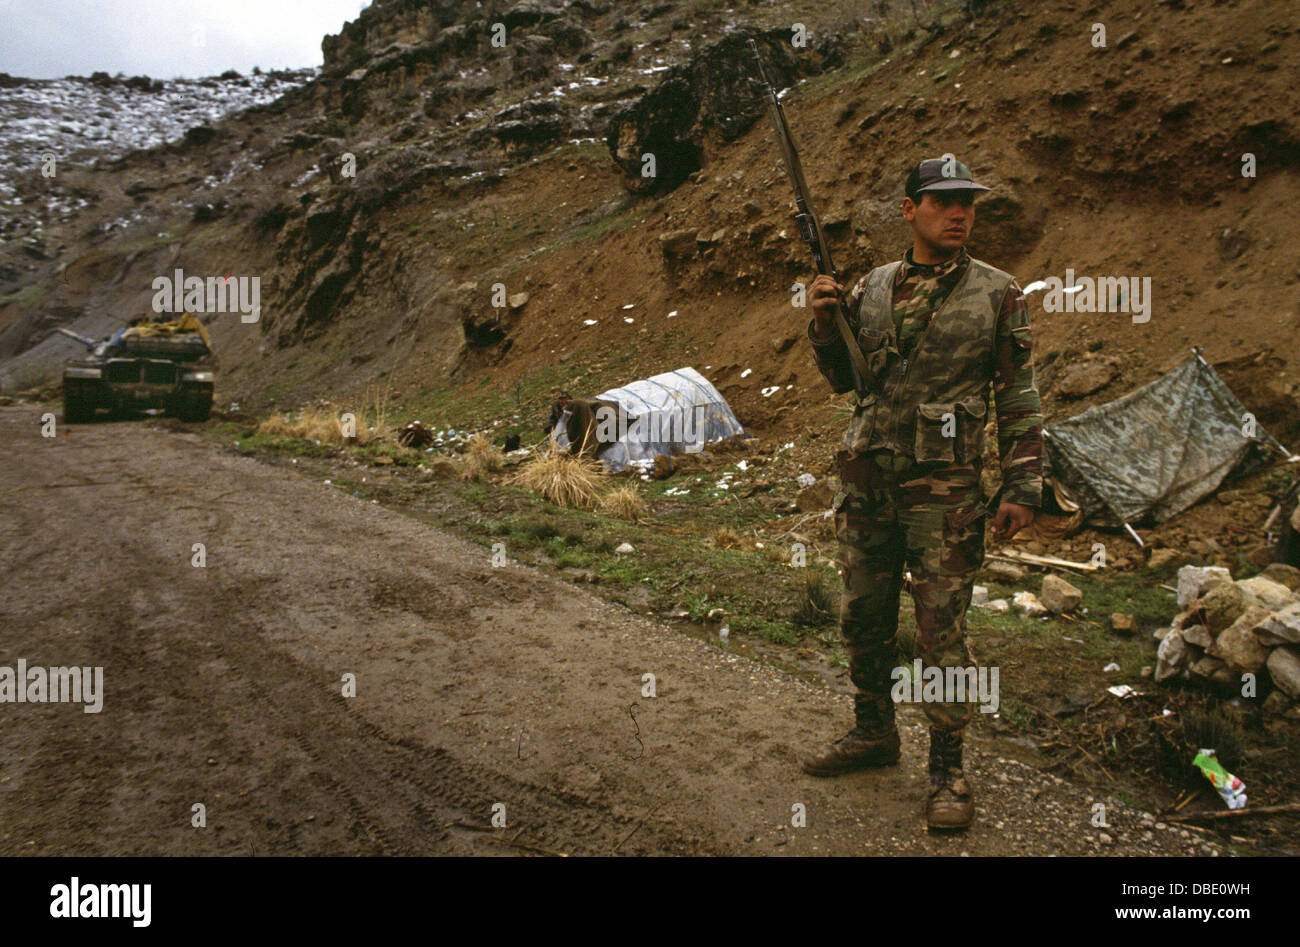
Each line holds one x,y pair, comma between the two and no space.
970,430
936,432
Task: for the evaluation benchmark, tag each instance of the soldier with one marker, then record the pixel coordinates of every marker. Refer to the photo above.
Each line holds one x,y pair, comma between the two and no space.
937,329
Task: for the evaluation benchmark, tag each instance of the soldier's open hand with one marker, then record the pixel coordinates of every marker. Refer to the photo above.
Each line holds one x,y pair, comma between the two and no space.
1010,519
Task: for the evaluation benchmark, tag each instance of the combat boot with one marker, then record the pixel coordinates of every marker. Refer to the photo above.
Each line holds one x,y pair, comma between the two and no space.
872,742
951,804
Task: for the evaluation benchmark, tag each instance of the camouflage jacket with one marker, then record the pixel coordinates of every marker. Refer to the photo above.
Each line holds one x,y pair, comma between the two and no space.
935,339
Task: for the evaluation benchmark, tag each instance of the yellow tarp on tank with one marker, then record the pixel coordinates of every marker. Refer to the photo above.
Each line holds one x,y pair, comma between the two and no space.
186,323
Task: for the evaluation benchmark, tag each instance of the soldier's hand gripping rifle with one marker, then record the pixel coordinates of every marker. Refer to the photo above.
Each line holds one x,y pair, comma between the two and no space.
809,227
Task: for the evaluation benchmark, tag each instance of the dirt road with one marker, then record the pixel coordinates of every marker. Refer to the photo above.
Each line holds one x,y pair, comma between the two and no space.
474,686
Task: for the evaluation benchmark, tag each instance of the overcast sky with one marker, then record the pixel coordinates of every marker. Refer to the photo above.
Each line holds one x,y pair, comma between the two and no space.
48,39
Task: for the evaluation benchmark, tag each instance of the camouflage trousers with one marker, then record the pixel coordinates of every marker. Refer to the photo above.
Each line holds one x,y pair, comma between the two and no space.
893,513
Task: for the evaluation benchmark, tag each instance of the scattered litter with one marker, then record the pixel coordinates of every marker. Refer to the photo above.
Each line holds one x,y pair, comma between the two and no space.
625,548
1229,787
673,313
628,319
804,479
588,322
677,491
630,306
1068,638
789,445
1122,690
768,392
742,465
1110,667
746,373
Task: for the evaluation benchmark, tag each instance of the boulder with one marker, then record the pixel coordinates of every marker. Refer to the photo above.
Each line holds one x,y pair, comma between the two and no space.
1060,596
1027,604
1123,624
815,498
1194,581
1172,655
677,244
1198,635
1160,558
1237,644
1086,376
1280,628
979,596
1272,595
1284,574
1276,703
1008,572
998,606
1222,605
1284,668
1205,667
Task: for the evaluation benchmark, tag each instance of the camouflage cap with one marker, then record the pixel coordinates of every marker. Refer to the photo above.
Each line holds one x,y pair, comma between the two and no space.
940,174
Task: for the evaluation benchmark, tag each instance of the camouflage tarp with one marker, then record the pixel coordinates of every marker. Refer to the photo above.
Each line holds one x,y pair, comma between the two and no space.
1156,450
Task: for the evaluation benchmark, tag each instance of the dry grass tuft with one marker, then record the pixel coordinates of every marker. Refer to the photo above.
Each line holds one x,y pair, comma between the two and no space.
442,467
329,423
624,502
481,458
724,537
561,478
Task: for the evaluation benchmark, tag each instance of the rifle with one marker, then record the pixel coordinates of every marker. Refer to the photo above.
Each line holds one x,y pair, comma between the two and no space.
809,227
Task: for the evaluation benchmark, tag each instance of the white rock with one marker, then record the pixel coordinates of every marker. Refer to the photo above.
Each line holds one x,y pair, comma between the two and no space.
1281,627
1272,595
979,595
1193,579
625,548
1172,655
1027,604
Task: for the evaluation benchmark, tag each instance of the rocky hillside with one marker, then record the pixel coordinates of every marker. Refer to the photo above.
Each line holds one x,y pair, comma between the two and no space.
437,157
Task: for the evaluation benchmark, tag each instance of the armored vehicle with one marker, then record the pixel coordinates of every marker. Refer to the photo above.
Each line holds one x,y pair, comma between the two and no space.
167,365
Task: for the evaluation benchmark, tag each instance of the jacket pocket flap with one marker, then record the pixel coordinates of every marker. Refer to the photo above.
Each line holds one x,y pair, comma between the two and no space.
975,407
935,411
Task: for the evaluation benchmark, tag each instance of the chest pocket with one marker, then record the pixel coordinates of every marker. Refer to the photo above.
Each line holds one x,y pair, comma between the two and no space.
876,346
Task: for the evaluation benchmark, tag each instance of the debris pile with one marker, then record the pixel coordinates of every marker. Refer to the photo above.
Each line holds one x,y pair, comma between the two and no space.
1237,634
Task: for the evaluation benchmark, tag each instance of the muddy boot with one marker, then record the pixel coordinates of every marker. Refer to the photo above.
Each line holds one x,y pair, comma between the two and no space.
873,742
952,803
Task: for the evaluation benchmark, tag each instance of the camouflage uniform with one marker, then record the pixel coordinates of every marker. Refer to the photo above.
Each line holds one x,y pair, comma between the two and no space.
911,459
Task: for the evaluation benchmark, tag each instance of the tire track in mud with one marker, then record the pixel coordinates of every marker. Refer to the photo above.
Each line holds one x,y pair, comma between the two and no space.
395,785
